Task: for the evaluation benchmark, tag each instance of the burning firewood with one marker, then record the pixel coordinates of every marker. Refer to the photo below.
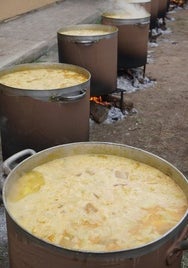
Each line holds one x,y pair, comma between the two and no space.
98,112
179,3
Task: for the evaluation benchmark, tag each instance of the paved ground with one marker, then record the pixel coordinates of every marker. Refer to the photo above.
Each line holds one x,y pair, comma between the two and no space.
27,37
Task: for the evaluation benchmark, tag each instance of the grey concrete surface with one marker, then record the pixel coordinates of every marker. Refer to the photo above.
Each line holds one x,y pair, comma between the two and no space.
28,37
25,38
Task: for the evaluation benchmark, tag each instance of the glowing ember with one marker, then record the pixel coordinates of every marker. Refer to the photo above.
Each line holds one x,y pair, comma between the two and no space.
100,100
96,99
179,3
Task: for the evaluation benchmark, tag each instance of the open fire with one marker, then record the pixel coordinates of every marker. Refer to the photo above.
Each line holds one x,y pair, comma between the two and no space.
115,106
100,100
179,3
109,108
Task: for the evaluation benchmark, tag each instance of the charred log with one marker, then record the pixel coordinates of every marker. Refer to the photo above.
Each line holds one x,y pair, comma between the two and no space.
98,112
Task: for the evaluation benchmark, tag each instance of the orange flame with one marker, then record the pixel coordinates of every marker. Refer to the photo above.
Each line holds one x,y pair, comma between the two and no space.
100,101
178,2
96,99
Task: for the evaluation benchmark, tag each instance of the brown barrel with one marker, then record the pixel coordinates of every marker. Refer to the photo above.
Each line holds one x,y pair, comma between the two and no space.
97,53
154,13
132,39
39,119
162,10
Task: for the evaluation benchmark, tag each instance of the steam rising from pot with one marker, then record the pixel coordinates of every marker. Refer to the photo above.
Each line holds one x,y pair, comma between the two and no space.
129,9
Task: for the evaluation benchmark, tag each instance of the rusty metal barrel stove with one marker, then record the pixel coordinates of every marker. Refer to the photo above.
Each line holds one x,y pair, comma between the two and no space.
133,32
37,119
154,13
94,47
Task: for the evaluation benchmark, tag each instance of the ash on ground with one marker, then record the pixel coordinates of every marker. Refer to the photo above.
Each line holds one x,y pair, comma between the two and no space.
129,81
132,80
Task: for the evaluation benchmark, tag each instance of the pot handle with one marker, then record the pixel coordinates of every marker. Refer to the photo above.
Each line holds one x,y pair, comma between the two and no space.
177,247
86,42
142,23
9,162
69,98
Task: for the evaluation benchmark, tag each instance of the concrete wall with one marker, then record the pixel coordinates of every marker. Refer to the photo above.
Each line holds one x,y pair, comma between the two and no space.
12,8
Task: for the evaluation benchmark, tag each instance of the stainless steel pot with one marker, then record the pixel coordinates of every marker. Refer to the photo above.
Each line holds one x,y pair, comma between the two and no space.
132,39
43,118
25,250
96,53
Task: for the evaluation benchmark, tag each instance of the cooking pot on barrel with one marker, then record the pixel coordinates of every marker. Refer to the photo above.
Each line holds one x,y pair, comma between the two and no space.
94,47
133,32
144,3
41,118
151,7
26,250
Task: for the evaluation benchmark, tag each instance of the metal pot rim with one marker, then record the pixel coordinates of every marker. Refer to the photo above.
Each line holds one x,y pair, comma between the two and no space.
125,21
115,148
111,31
44,94
139,2
108,28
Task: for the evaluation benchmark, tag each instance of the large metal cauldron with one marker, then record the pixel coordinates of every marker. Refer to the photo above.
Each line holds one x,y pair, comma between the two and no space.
132,39
97,53
43,118
25,250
